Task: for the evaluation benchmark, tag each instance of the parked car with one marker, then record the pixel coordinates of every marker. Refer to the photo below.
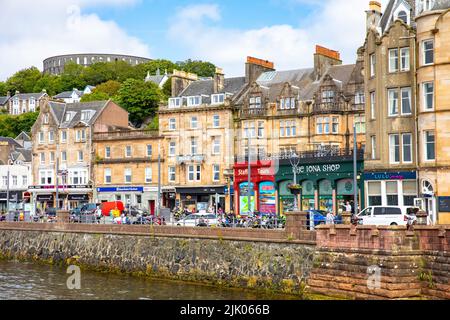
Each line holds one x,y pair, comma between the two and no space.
89,208
320,217
199,220
385,216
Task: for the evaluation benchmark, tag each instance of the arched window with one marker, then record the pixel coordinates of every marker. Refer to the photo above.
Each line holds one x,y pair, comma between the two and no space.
402,15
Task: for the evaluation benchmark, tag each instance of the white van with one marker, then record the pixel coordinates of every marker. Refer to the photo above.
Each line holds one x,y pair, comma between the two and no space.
384,216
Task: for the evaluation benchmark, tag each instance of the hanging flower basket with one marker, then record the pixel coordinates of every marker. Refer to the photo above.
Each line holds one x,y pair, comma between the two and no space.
295,188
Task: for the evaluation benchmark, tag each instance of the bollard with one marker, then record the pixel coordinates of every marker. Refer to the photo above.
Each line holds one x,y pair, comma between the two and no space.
63,216
422,218
347,218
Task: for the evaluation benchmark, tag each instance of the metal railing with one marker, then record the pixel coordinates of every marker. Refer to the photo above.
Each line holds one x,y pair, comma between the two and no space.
341,154
126,134
254,112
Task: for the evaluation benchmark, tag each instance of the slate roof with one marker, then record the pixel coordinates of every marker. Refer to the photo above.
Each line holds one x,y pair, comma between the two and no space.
155,79
23,136
25,153
61,109
10,141
4,100
441,4
292,76
206,87
26,96
68,94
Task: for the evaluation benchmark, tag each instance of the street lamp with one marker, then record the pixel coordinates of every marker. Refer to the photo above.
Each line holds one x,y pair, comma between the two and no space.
10,161
294,159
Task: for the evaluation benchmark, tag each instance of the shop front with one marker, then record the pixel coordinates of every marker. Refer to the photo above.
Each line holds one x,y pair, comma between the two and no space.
262,188
137,196
69,197
391,188
325,186
201,199
15,197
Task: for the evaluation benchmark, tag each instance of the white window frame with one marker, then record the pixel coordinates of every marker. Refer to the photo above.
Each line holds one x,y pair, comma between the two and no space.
175,102
80,159
41,137
392,148
107,152
216,145
107,173
171,171
261,129
149,150
216,121
402,90
424,51
148,175
393,60
128,172
51,137
426,143
335,125
405,55
63,136
373,142
194,147
217,99
410,148
425,94
396,101
64,156
128,151
172,148
373,105
216,172
42,158
194,101
372,66
172,124
194,122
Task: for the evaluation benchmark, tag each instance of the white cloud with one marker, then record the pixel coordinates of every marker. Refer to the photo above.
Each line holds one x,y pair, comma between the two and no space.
337,24
35,30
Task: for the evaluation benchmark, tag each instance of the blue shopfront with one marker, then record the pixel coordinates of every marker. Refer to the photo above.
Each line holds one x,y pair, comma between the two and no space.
137,196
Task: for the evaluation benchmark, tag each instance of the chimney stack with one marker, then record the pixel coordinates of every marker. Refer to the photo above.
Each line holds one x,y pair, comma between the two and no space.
8,94
325,58
373,15
255,67
219,80
180,81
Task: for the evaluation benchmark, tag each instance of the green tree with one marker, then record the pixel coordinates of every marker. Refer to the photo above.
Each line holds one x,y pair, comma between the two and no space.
95,96
140,99
98,73
201,68
49,82
3,89
167,89
12,126
72,77
23,80
154,124
110,87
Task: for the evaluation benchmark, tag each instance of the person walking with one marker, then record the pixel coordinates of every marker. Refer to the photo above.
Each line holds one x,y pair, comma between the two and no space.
330,218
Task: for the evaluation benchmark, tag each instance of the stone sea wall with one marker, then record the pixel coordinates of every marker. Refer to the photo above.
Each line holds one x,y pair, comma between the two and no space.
278,267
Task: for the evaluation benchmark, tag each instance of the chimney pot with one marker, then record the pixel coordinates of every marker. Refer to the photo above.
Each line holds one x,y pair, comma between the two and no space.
375,6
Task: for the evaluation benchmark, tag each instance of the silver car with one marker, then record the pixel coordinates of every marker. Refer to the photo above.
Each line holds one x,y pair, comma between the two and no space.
199,220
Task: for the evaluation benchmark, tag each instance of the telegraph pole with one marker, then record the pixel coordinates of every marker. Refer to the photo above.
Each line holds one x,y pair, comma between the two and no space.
7,187
249,194
158,205
355,170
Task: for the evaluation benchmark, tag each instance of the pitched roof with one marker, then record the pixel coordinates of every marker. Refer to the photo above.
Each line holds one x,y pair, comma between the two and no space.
76,109
25,153
293,76
206,87
10,141
441,4
4,100
23,136
26,96
68,94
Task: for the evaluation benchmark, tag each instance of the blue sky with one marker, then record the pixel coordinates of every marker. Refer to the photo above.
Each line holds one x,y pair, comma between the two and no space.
224,32
150,19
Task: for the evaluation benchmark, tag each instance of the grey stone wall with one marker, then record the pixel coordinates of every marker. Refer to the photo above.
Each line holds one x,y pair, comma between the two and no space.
278,267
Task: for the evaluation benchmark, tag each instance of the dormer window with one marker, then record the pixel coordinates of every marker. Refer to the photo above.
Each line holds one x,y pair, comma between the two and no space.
255,102
175,102
402,15
69,116
424,5
86,115
359,98
194,101
46,118
327,96
217,98
287,103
